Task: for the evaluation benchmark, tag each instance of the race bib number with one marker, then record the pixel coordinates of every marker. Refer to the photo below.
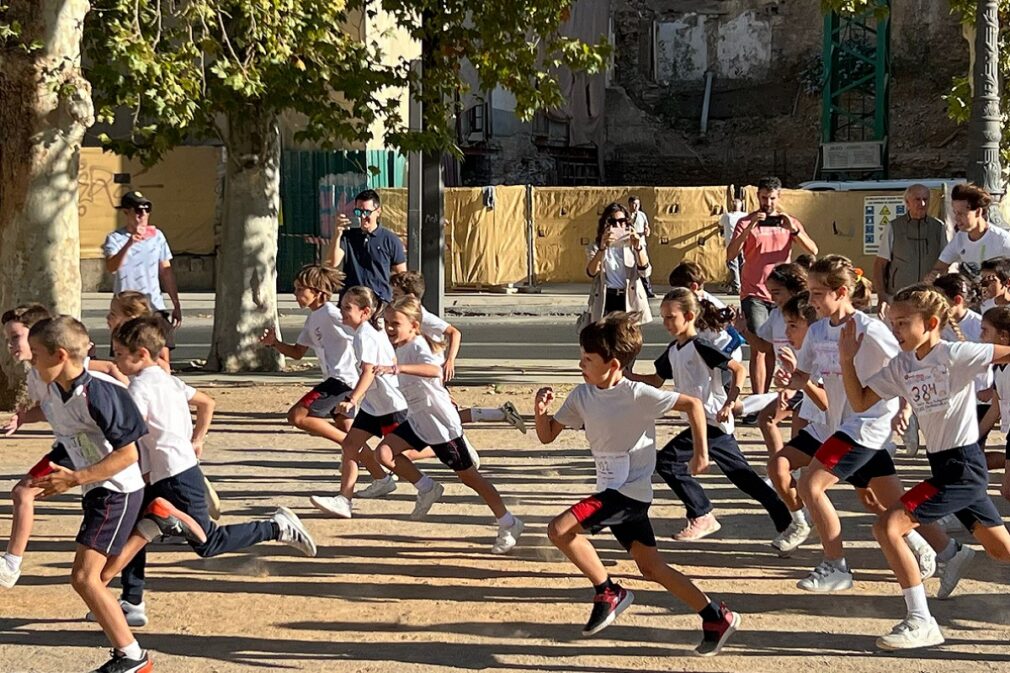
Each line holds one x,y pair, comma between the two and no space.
827,360
928,389
612,471
87,448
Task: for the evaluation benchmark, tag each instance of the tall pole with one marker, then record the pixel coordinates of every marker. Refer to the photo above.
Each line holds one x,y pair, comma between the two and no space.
985,130
432,231
414,178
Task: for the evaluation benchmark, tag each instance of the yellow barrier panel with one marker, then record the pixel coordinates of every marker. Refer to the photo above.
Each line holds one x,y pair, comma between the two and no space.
685,226
487,245
182,188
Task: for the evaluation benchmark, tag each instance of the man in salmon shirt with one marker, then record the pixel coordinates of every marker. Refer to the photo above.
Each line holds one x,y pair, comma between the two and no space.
765,237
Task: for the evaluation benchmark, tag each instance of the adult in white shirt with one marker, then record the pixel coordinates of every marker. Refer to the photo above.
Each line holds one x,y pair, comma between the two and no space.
728,223
976,240
640,223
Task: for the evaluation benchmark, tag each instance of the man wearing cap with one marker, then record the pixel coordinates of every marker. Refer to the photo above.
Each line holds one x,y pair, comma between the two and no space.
138,257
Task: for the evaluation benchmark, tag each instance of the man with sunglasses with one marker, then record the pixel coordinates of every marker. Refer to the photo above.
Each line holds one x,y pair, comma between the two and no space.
368,254
138,257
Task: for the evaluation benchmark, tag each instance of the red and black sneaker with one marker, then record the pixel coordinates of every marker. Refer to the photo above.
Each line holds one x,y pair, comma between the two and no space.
120,664
173,521
717,633
606,606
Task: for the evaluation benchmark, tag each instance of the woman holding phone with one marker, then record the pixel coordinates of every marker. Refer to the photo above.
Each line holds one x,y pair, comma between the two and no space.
617,262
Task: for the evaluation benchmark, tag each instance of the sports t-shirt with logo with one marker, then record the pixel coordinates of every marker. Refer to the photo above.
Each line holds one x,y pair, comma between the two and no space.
696,367
430,410
372,347
163,402
995,242
620,424
940,389
333,345
971,326
820,359
91,421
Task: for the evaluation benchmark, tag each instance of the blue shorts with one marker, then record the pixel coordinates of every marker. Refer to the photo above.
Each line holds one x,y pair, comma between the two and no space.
854,463
958,486
109,518
627,518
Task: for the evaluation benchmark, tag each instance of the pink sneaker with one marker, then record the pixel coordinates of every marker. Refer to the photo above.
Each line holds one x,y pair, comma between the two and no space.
699,528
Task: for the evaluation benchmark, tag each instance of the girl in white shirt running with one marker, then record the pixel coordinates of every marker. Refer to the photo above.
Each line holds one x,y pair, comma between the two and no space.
855,452
432,421
937,378
996,331
375,403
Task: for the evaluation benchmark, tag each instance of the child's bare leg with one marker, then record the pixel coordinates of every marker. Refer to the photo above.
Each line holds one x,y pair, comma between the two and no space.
367,458
86,579
885,493
115,564
567,535
780,467
391,454
813,486
654,568
890,529
413,455
353,446
485,489
995,460
995,540
465,417
23,497
768,422
336,432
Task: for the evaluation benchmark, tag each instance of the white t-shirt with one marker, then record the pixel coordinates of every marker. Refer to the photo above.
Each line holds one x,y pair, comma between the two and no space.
971,326
372,347
432,326
640,221
721,339
620,424
141,268
696,368
430,410
614,270
940,388
995,242
325,334
819,358
163,400
773,331
1001,376
728,222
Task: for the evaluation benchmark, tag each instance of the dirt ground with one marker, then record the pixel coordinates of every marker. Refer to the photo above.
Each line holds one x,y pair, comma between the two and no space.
386,594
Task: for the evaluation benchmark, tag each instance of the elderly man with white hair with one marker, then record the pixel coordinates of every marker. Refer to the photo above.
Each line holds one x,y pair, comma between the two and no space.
909,247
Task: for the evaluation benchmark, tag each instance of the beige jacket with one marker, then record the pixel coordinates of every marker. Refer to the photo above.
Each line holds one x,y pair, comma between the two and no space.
635,299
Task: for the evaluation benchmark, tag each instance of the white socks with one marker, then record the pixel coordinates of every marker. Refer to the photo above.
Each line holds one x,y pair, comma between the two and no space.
132,651
507,520
479,414
13,562
799,517
915,541
915,601
424,484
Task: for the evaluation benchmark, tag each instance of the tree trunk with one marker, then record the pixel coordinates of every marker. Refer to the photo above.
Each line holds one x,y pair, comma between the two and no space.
245,285
45,107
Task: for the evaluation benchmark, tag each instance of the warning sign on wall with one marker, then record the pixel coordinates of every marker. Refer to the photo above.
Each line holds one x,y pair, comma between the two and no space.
878,211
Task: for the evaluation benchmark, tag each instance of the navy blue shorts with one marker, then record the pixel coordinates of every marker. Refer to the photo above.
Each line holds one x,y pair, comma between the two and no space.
854,463
109,518
378,426
958,486
453,453
322,400
627,518
804,442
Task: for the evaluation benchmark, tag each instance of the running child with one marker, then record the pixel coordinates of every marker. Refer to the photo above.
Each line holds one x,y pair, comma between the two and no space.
937,378
996,331
994,280
432,421
855,451
169,455
375,403
619,418
696,367
129,305
722,334
98,425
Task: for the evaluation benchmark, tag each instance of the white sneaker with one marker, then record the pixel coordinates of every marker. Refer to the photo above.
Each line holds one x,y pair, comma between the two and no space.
136,615
293,532
472,452
826,578
8,576
791,538
513,417
952,571
378,488
926,558
507,537
338,506
910,634
911,436
425,501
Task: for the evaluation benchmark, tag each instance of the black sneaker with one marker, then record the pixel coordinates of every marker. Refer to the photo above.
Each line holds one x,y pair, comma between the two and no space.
120,664
749,419
717,633
606,607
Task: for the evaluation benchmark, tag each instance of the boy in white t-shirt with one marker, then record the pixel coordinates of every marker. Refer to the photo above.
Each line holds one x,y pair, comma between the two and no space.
975,240
619,417
439,331
169,456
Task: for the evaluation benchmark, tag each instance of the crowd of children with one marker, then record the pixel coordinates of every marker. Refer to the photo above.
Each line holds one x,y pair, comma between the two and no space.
846,382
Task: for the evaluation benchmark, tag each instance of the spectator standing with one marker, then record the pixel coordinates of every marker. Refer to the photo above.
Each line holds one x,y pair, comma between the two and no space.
728,223
617,261
640,223
765,237
138,257
976,240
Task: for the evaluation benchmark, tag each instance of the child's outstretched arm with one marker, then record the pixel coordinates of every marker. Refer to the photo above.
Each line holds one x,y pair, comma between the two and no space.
427,371
293,351
109,369
695,412
31,415
204,404
654,380
548,429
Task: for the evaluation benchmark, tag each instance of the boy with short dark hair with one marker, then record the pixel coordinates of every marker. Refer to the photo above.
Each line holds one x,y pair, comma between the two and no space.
619,417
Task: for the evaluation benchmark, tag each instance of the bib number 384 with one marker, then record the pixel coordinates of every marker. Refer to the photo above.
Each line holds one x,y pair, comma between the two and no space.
928,390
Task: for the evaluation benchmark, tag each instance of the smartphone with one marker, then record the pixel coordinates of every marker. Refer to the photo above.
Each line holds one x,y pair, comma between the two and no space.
771,221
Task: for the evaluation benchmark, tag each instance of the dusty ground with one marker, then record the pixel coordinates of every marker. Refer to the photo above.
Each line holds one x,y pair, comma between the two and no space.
387,594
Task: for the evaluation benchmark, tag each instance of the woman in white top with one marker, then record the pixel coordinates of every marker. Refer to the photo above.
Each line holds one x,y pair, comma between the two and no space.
937,378
432,421
617,263
996,331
